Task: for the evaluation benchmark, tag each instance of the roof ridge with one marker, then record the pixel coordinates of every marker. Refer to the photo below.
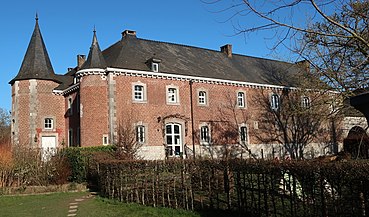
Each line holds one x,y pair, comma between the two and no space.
208,49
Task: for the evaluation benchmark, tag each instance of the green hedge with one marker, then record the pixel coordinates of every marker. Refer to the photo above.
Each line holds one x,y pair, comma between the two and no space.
82,159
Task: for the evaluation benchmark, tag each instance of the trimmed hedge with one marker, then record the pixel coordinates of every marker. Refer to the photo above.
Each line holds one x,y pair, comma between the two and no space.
251,188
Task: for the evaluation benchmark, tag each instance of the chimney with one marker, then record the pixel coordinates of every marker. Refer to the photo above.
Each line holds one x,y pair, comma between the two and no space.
80,60
227,49
304,64
126,33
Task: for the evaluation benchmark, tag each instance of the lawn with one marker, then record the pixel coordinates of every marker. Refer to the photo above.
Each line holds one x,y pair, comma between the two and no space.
57,204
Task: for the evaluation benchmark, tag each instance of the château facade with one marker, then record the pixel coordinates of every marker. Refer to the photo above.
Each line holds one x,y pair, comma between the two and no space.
175,97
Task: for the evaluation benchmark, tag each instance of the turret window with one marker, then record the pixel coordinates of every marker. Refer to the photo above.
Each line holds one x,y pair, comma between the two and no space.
48,123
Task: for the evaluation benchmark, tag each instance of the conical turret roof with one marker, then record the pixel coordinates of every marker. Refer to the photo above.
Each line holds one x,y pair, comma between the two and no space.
36,62
95,58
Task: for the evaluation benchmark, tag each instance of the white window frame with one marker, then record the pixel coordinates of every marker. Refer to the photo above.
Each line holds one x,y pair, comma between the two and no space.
48,123
105,140
141,134
275,101
241,99
305,102
172,97
202,97
155,67
173,140
205,134
143,92
244,138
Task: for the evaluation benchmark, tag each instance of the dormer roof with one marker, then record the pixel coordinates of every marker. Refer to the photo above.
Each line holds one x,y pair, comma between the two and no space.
36,62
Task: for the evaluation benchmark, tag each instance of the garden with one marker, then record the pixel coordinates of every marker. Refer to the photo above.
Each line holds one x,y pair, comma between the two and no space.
203,187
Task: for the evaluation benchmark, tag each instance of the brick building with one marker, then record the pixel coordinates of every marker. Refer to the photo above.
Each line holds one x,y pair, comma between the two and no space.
175,97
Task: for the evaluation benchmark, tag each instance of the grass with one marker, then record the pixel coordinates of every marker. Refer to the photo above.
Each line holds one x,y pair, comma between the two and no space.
57,204
111,208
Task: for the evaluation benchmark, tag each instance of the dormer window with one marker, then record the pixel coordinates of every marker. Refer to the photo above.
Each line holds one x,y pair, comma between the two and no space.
155,67
154,64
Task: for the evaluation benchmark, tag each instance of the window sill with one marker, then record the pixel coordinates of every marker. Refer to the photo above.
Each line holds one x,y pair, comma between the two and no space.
173,103
139,102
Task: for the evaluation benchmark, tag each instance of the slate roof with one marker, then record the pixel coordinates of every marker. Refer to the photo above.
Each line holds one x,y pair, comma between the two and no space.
95,59
67,79
36,62
133,53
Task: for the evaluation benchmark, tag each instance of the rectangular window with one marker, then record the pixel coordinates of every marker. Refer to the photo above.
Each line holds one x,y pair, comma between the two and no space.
204,134
202,98
243,134
241,99
155,67
274,102
172,95
48,123
105,140
140,134
138,93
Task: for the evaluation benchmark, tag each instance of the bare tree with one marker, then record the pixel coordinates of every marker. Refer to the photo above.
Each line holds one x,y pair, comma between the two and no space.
294,119
226,141
332,36
127,139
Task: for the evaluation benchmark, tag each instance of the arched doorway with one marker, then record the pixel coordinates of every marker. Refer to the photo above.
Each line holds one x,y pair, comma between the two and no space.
357,143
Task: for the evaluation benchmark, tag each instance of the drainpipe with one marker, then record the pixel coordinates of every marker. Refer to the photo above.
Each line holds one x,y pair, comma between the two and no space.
192,124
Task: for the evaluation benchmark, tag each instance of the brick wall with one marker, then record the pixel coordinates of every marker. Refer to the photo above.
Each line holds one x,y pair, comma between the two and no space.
94,110
32,102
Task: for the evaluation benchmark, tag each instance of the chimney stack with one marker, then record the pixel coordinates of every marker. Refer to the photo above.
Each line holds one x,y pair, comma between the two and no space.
304,64
80,60
126,33
227,49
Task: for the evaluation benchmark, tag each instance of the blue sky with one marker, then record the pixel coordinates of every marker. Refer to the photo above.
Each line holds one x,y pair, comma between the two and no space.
67,28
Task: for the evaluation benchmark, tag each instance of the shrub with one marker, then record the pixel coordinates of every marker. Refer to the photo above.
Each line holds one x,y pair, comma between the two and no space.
81,160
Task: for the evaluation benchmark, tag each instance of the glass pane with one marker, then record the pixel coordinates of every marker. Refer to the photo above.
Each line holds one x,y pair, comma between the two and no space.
169,140
170,150
177,150
177,140
168,129
176,129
